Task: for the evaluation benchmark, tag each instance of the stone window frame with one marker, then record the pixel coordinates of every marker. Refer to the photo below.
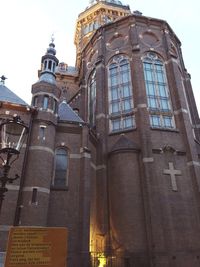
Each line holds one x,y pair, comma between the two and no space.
157,92
64,185
120,94
42,132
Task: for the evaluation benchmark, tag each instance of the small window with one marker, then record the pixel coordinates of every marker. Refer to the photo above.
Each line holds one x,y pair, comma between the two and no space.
55,106
45,65
42,132
50,65
155,121
54,67
128,122
35,101
96,25
76,110
116,125
92,99
168,122
122,123
61,166
45,102
86,29
34,196
90,27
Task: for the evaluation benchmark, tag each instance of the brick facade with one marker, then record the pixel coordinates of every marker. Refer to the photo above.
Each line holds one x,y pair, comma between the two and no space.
120,202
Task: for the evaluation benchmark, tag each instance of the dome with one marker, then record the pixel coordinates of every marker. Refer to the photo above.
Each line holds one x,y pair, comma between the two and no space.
116,2
51,49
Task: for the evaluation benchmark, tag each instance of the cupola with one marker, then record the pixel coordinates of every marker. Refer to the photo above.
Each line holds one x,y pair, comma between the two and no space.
49,63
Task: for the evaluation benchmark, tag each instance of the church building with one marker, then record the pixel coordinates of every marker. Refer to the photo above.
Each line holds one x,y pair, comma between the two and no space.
113,149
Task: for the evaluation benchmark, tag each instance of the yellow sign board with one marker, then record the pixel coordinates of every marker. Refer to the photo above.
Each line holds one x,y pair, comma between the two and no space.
36,247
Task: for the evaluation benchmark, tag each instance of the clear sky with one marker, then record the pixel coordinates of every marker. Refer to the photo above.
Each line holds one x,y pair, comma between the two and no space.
27,26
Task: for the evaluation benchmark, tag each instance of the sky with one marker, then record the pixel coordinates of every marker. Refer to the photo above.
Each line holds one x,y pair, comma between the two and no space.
27,27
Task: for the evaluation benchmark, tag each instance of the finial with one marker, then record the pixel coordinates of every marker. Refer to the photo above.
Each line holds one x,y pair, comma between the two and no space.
3,78
52,38
51,48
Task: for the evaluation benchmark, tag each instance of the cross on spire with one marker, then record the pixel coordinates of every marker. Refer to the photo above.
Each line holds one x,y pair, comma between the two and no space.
172,172
3,78
52,38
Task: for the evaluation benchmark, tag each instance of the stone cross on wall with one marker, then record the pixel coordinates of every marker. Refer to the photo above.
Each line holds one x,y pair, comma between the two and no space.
172,172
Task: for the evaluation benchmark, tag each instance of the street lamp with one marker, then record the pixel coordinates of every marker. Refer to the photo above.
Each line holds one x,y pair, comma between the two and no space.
13,133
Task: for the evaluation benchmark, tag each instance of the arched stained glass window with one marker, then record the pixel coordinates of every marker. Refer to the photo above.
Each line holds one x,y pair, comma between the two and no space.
92,98
120,94
158,98
61,166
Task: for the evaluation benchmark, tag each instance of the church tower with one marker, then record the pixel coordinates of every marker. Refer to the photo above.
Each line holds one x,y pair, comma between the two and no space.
39,169
98,13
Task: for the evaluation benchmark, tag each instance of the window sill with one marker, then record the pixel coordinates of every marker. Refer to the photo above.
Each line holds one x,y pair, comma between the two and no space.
165,129
59,188
122,131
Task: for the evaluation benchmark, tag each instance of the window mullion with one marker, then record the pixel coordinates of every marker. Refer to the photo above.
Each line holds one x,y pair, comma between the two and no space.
156,86
120,89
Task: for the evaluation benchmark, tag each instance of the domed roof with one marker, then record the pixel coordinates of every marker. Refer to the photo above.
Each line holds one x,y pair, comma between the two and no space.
116,2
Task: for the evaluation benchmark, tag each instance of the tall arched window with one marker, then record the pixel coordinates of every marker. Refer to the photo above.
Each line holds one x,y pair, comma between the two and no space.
159,104
92,98
61,166
120,94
